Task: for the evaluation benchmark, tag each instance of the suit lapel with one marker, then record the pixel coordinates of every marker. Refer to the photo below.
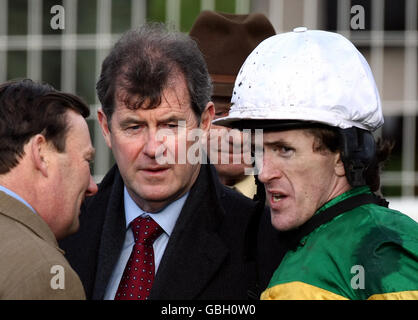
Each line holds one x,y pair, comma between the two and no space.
113,235
195,251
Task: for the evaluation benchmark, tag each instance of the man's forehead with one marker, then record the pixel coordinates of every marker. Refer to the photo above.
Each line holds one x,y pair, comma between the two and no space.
271,136
172,98
163,110
279,133
174,88
78,137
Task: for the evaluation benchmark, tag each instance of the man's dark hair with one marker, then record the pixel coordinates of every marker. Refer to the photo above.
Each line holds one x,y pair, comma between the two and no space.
141,64
327,139
28,108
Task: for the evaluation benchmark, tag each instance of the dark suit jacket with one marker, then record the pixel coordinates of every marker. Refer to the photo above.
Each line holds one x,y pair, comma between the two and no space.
206,256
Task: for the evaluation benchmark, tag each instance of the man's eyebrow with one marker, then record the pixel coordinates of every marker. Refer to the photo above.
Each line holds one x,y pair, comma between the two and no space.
129,120
171,118
90,153
279,142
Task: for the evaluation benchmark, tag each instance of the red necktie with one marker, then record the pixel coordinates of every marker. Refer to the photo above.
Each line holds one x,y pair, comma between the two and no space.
138,275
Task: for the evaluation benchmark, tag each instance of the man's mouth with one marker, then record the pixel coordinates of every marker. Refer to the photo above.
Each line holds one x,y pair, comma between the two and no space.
154,170
277,197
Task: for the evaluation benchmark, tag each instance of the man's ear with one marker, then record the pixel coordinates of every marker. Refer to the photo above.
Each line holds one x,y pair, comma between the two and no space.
105,126
207,117
40,152
339,165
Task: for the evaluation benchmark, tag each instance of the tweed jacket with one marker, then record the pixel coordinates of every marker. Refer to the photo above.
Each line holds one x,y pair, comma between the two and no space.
32,266
206,256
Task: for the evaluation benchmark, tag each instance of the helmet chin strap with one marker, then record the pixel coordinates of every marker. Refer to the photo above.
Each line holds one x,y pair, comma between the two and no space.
358,150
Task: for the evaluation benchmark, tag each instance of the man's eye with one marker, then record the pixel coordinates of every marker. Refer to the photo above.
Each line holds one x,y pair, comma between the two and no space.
283,150
91,164
286,151
133,127
169,125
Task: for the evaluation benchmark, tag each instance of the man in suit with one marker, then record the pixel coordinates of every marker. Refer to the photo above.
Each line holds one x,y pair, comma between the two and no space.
44,177
155,80
235,36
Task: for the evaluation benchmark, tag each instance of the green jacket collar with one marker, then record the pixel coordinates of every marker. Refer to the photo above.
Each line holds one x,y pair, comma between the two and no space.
348,194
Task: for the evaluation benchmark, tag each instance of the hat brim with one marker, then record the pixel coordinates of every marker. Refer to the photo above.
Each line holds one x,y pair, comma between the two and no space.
222,89
223,85
266,125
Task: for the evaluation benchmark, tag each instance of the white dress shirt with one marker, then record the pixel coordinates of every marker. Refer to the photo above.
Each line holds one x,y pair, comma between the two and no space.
165,218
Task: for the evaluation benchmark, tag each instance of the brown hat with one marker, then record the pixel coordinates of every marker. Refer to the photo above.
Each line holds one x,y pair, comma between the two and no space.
225,41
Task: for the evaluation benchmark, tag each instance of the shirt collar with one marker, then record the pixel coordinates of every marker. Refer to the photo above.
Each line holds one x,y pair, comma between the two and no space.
16,196
350,193
165,218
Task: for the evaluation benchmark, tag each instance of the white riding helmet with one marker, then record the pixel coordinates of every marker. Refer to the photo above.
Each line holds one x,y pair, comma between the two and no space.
305,75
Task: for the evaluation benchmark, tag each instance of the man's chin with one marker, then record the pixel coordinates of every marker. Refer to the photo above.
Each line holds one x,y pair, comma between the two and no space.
155,198
281,222
73,228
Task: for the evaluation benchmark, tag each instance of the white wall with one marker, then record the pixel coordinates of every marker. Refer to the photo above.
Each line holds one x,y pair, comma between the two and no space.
408,206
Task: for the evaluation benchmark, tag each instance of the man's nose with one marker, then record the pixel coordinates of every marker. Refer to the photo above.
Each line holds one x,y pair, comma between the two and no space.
92,188
151,144
270,170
